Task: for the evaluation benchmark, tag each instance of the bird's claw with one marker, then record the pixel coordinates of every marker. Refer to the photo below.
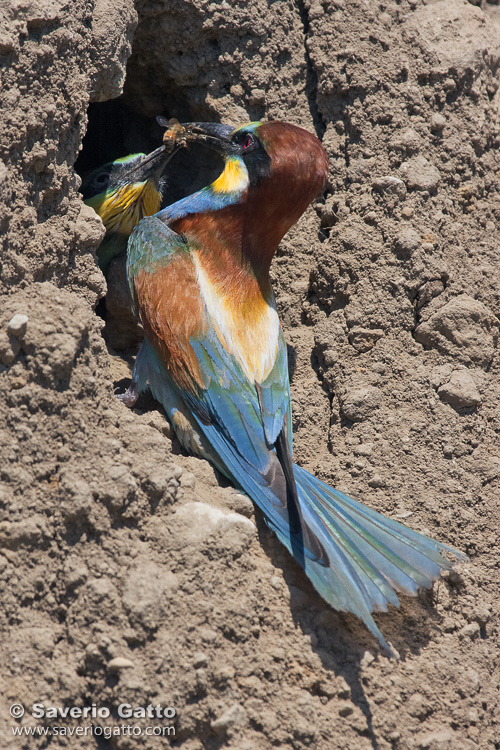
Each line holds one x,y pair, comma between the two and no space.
130,396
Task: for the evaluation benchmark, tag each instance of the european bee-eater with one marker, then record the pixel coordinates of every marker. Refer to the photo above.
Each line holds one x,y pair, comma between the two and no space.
215,357
122,192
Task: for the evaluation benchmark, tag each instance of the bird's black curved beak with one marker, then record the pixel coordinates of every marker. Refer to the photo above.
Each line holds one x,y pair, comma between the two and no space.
152,166
215,135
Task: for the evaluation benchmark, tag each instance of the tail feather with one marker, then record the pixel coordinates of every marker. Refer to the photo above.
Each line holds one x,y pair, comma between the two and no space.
378,555
378,591
377,540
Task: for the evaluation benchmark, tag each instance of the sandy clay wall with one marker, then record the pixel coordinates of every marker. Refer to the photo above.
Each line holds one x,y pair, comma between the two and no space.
130,572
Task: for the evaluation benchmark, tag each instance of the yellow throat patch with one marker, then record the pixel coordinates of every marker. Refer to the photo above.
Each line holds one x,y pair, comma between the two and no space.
234,178
123,209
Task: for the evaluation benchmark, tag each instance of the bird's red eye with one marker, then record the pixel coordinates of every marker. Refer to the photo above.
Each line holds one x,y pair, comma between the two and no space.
248,142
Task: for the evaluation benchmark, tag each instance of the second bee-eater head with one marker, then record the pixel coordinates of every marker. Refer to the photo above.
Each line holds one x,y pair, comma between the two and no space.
122,192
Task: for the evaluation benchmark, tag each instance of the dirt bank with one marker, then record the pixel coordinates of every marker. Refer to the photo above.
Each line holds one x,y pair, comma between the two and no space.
116,545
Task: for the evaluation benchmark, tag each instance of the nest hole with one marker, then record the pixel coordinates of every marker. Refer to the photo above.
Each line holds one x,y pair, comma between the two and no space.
123,126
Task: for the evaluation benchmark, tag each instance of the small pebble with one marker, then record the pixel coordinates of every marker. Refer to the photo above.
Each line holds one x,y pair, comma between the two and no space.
200,660
376,481
390,186
460,390
482,615
17,325
119,662
470,631
441,740
346,709
363,449
367,659
234,716
359,403
407,241
420,174
437,123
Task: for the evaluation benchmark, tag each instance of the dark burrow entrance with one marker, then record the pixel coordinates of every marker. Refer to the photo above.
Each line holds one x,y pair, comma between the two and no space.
121,127
117,128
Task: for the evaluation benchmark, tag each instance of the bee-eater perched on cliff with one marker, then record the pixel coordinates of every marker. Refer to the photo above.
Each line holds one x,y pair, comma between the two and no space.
123,192
215,357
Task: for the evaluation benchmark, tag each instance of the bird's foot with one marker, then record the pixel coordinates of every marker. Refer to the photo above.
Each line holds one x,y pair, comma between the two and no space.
130,396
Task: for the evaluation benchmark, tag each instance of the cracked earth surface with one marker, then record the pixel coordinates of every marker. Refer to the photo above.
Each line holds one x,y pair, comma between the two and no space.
130,571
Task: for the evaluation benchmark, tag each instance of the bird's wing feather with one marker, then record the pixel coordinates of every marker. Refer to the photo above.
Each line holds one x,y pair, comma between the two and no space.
238,407
243,410
239,419
152,245
274,396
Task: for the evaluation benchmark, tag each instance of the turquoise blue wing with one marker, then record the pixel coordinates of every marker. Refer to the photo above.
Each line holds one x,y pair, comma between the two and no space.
239,420
227,414
274,397
250,414
151,246
246,410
